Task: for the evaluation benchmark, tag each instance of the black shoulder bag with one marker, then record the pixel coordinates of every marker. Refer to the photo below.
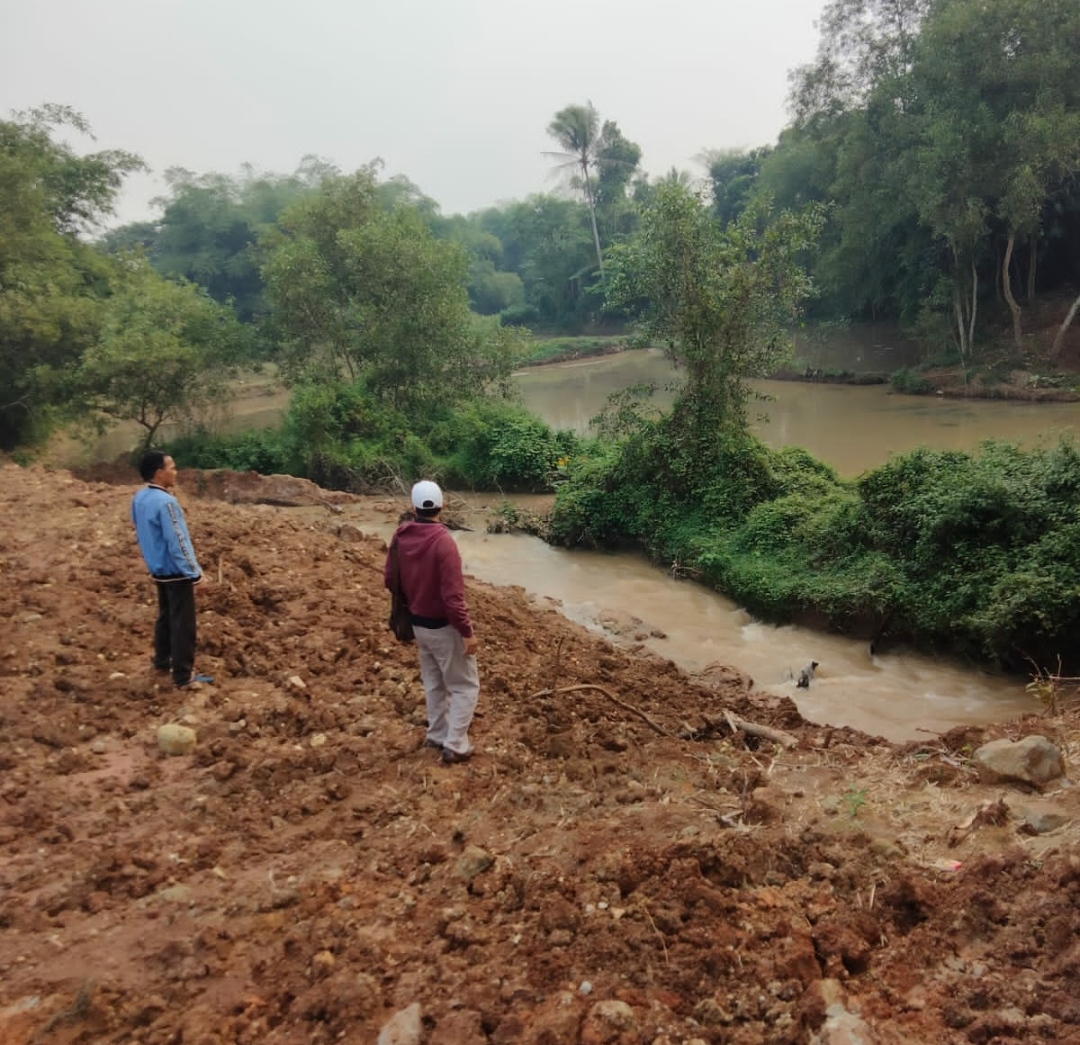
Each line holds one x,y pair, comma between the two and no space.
400,622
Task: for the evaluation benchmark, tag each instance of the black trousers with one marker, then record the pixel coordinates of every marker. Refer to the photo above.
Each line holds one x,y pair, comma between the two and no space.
174,630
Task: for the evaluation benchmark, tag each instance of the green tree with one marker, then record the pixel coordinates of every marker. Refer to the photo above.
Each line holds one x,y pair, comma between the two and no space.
165,353
733,177
598,158
720,300
371,294
997,108
545,240
617,165
51,281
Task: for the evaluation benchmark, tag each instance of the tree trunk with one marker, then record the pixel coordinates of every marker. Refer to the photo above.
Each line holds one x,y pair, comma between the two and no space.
1032,262
961,329
1059,337
974,307
592,218
959,310
1006,286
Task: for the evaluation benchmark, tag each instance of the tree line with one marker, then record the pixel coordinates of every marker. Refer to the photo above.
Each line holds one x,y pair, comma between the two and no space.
942,136
939,138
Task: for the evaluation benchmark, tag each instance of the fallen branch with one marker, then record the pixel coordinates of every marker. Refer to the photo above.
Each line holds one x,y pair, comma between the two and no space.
777,736
611,696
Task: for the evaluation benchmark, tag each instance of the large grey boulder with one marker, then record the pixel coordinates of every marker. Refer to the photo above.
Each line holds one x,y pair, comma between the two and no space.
1033,760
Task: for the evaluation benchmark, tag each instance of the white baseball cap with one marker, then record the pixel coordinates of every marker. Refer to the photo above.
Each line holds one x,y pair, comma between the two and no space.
426,496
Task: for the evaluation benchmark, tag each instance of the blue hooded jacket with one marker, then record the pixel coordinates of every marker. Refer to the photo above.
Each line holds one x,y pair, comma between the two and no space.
163,535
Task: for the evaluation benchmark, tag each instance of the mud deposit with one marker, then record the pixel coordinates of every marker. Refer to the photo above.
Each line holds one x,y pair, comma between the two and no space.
616,864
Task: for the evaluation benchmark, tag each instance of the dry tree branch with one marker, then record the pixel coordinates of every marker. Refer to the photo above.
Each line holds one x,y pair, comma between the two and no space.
611,696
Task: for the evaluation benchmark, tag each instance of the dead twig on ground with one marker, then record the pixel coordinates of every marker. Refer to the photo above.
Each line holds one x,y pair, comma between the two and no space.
558,663
611,696
754,729
663,942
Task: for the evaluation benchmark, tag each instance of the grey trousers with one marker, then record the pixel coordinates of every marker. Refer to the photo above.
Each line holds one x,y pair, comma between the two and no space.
451,687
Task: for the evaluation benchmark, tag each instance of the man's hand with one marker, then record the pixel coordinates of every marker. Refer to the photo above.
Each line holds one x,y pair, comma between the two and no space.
200,582
471,645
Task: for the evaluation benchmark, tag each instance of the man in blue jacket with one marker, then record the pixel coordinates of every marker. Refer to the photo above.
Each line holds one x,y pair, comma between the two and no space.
166,547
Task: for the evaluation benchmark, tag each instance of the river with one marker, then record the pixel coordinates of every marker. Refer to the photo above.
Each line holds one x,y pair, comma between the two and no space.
852,427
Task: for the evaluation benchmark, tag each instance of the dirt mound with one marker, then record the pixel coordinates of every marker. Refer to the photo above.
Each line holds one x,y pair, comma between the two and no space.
615,865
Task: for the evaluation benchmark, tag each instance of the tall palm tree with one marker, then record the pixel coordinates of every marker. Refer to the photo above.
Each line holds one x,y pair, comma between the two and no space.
578,131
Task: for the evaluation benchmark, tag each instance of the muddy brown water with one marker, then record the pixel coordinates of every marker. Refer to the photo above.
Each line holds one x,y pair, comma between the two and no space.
852,427
898,695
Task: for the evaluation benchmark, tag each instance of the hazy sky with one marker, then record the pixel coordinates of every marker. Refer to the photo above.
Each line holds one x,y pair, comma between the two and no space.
454,94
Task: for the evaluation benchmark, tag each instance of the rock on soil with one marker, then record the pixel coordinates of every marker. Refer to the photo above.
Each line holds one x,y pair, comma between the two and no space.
613,865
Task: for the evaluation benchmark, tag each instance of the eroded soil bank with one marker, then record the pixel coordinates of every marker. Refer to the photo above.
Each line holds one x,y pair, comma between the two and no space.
615,865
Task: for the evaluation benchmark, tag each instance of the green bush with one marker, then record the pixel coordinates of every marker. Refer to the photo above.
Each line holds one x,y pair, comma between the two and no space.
979,554
262,451
590,509
497,445
519,316
910,382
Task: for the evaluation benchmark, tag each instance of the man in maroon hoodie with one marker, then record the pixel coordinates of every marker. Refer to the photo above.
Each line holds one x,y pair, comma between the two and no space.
431,580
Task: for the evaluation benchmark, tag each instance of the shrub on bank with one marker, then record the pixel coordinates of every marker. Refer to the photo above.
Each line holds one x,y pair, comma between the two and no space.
343,438
977,554
910,382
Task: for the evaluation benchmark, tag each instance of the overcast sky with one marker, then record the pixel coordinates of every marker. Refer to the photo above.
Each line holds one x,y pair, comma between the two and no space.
454,94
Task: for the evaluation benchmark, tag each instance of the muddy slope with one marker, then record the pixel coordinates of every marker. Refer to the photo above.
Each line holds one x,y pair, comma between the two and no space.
615,865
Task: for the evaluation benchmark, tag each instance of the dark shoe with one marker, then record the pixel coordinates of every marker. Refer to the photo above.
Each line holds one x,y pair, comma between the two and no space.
452,758
194,678
434,745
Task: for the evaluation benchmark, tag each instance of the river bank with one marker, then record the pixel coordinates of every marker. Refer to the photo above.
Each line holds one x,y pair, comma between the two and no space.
1000,373
617,863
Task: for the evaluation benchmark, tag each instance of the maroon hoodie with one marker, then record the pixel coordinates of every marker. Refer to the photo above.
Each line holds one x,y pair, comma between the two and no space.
431,576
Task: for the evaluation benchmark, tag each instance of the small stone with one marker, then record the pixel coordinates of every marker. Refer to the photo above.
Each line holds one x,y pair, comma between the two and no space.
606,1021
176,740
174,894
296,682
403,1028
99,747
472,862
1040,815
318,740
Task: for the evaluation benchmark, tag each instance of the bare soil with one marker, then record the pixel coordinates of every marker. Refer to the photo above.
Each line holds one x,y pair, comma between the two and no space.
617,864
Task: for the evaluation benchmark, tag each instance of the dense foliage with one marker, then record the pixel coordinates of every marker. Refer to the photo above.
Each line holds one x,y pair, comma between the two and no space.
81,332
945,135
976,554
363,291
971,553
342,437
51,283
